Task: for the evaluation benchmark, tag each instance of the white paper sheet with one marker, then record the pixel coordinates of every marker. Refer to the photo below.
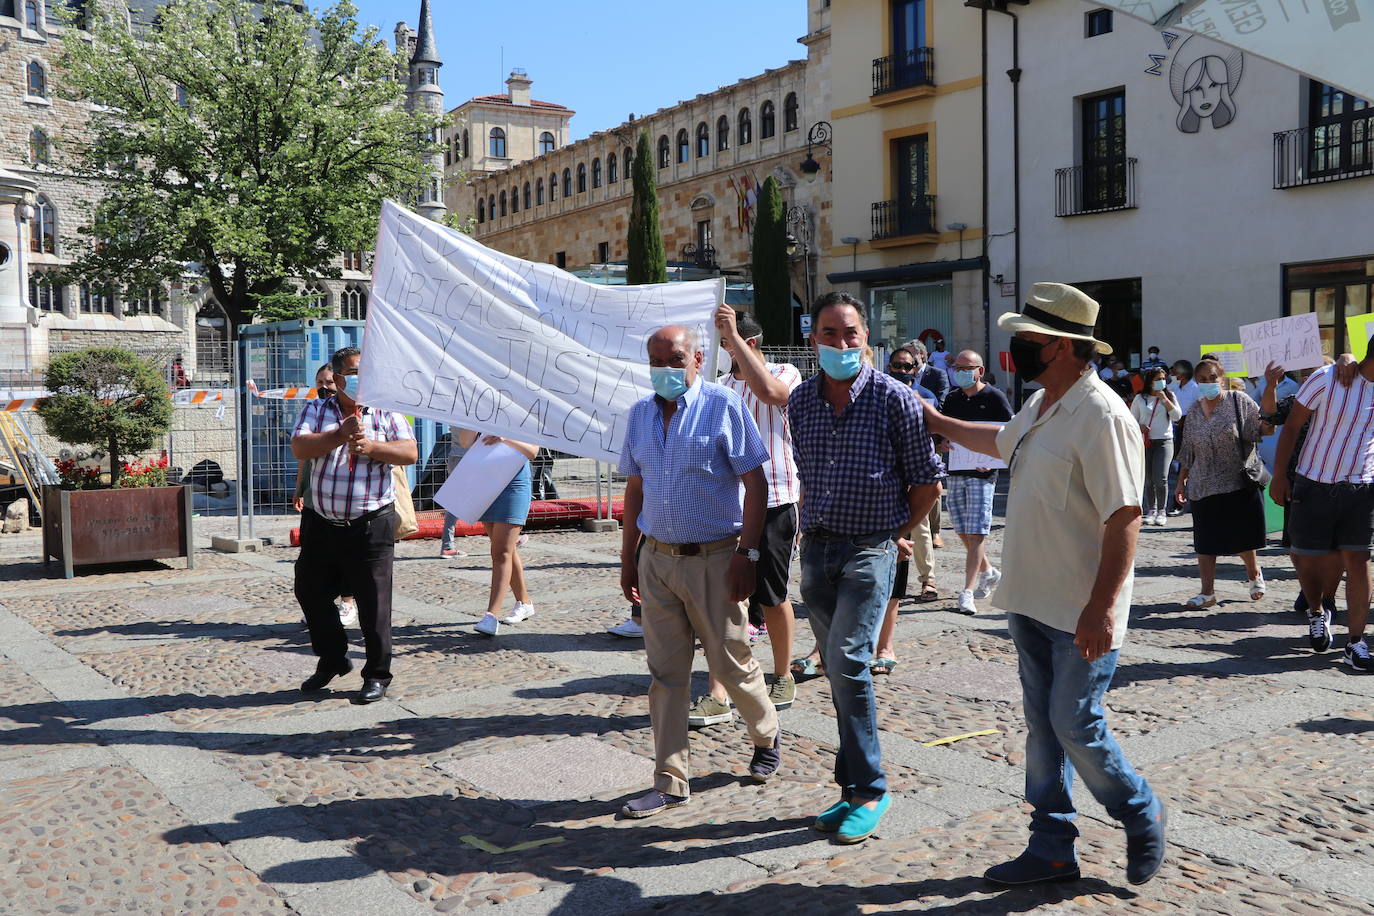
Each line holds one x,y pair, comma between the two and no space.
478,479
964,459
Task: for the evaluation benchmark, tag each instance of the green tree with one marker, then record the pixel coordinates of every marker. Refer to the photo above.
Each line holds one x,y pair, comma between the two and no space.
252,143
108,398
770,267
647,261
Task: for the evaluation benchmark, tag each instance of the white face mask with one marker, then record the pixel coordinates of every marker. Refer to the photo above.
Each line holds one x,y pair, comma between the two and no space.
723,360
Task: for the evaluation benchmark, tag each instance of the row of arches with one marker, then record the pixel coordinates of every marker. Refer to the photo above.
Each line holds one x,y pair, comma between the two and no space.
744,132
532,194
498,147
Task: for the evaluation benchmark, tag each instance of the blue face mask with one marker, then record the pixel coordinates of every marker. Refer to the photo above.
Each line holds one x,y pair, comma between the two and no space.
350,386
1209,390
1159,384
965,378
841,365
669,383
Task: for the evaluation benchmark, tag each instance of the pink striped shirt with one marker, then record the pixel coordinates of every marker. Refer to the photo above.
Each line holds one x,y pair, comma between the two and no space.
784,487
344,489
1340,439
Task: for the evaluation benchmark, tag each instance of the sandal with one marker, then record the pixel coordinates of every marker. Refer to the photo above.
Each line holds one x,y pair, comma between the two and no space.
882,665
805,669
928,592
1197,602
1256,588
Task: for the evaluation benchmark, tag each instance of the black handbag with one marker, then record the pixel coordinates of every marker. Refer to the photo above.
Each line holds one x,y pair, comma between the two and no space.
1252,465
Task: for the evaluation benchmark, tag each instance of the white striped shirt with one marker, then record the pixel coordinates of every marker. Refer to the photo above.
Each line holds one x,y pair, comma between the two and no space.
344,487
1340,439
784,487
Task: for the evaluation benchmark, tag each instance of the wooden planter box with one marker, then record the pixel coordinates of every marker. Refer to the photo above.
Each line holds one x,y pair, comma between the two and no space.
85,527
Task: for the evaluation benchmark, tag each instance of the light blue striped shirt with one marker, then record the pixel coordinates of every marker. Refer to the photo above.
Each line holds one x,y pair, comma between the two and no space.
691,471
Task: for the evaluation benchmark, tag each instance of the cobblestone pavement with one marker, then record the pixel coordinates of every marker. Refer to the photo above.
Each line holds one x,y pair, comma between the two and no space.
156,755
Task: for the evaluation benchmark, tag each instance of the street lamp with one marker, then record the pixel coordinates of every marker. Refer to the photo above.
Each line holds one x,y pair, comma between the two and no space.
798,245
818,135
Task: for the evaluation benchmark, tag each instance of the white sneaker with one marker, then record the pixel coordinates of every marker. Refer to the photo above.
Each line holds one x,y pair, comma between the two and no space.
987,582
628,628
348,611
966,605
519,613
1160,520
489,625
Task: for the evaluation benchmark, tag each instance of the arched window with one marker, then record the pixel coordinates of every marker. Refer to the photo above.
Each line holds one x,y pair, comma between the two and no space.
722,133
515,199
435,195
582,178
553,186
789,112
491,207
526,194
464,151
546,143
448,154
663,151
684,148
766,121
502,198
539,193
97,299
143,301
596,173
44,294
567,182
498,143
31,20
353,303
703,140
481,211
40,151
43,232
38,80
316,298
746,128
611,175
628,161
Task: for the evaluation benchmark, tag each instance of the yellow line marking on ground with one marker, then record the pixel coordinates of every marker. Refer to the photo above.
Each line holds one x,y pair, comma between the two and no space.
486,847
953,738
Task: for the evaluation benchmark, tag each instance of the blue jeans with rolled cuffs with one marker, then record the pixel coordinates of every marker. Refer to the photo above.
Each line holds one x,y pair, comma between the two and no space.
1066,734
845,584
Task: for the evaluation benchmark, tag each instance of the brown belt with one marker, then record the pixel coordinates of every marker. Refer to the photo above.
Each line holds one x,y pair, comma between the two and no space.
689,550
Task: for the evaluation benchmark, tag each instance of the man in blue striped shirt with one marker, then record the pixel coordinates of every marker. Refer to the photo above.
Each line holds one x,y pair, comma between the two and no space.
689,450
869,476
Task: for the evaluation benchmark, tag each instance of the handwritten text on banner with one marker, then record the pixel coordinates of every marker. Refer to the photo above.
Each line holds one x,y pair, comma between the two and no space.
462,334
1293,342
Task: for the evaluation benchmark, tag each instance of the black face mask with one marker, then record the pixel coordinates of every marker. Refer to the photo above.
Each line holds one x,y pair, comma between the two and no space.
1026,355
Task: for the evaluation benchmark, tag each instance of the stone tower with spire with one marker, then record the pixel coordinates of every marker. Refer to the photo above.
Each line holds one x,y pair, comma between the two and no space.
423,94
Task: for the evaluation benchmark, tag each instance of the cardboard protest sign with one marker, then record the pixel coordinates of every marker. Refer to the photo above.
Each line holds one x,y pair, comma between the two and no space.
1357,331
1232,357
966,459
1293,342
462,334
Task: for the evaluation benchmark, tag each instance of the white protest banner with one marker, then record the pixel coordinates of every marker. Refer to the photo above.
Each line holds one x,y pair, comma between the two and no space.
462,334
966,459
1294,342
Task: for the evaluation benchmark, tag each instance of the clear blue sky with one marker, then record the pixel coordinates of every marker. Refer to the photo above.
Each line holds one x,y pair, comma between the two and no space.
604,59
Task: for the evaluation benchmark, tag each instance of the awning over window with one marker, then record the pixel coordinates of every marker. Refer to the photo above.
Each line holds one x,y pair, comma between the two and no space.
921,271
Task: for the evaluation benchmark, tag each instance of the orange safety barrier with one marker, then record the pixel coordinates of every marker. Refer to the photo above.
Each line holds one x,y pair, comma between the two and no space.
544,513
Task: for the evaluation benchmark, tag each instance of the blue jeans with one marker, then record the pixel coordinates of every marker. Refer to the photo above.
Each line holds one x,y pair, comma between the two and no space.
1067,732
845,585
446,540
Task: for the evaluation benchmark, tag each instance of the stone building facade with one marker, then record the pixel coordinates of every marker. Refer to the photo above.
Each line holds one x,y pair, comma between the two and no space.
571,206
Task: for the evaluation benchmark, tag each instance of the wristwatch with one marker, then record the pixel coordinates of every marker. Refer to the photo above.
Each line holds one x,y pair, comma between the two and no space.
751,552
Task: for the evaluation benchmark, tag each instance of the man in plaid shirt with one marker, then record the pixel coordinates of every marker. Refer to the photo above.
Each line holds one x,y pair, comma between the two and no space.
348,538
869,476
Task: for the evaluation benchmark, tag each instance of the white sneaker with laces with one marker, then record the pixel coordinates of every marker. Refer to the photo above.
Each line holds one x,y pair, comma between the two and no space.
987,582
628,628
348,611
519,613
966,605
489,625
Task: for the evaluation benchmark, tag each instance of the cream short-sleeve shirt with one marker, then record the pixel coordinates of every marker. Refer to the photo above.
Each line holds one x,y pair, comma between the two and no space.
1071,470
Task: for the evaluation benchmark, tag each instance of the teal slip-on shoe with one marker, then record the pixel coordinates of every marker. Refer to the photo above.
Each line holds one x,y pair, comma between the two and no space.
860,823
829,820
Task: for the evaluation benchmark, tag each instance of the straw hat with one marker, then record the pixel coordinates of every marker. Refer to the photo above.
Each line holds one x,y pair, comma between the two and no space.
1059,310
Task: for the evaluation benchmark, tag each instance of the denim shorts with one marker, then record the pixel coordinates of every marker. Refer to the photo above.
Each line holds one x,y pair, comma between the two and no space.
1324,517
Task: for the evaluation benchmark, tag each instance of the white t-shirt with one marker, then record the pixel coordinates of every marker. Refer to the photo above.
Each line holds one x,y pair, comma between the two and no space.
1185,394
784,487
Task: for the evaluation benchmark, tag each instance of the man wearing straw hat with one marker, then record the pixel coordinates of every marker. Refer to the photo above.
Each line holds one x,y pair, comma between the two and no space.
1073,512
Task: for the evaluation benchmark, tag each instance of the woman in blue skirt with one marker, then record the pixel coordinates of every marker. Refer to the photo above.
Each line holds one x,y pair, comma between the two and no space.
503,522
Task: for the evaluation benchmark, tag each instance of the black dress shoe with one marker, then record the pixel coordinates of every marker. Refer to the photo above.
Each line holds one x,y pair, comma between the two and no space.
372,692
323,675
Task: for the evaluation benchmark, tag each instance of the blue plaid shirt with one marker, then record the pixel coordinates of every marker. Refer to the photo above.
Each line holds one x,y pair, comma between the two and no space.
856,467
691,471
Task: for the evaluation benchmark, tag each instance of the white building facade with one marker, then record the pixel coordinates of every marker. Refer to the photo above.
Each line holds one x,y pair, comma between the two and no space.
1189,187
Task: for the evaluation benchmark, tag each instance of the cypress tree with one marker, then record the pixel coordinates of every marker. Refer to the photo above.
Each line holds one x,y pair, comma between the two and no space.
772,273
647,261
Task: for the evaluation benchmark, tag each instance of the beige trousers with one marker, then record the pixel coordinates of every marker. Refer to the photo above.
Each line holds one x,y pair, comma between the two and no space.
923,553
680,596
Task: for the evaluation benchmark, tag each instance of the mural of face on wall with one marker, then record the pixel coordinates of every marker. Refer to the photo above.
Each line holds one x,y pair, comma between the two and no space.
1203,77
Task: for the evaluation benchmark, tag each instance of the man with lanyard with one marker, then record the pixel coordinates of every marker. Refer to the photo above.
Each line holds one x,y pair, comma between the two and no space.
1073,514
688,448
869,475
764,387
348,536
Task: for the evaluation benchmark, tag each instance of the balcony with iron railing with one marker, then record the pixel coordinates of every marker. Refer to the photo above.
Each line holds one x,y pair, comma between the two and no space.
905,70
892,219
1098,188
1320,155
